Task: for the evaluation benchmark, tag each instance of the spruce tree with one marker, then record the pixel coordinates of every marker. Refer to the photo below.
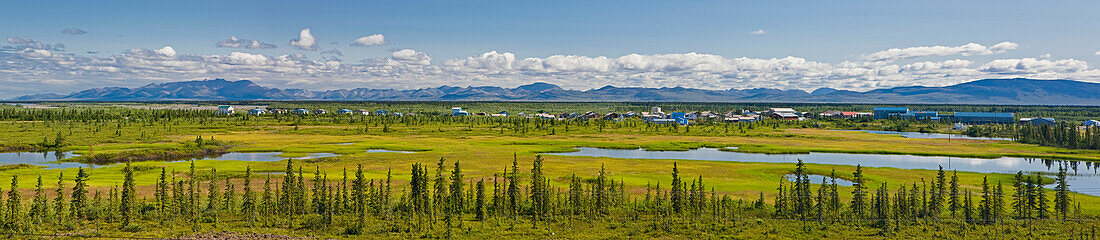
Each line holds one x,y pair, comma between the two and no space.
858,193
39,206
248,203
127,205
1061,194
15,206
59,199
479,207
954,198
79,199
677,194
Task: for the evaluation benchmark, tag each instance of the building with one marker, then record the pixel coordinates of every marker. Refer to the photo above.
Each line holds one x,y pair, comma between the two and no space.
362,111
1037,121
257,111
888,112
345,111
301,111
1091,123
320,111
381,112
224,110
656,110
983,117
457,111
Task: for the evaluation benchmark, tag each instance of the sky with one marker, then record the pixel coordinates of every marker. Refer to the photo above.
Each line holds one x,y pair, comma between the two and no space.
66,46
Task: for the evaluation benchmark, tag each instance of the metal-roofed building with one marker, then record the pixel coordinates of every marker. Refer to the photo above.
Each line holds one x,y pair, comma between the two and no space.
888,112
984,117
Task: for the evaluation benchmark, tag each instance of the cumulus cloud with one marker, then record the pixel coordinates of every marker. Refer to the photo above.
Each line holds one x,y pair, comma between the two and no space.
968,49
410,68
73,31
305,41
409,56
1032,65
372,40
26,42
234,42
758,32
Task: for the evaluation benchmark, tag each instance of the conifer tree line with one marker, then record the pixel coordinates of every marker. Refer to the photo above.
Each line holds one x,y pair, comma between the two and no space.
1058,135
443,197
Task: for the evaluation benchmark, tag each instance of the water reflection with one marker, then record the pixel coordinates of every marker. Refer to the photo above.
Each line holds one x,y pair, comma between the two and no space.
1087,182
50,160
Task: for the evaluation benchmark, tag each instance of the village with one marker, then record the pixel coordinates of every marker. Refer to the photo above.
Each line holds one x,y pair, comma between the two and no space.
657,116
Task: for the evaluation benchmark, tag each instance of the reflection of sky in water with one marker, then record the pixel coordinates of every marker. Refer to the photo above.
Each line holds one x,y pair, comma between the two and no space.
929,135
385,151
1086,181
50,160
817,179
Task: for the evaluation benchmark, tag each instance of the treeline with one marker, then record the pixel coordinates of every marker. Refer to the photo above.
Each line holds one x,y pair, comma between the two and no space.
444,199
1058,135
942,198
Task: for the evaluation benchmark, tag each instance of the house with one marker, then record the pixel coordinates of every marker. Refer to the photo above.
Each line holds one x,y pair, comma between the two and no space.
663,121
503,113
960,126
301,111
1091,123
888,112
839,114
982,117
612,116
362,111
457,111
278,111
320,111
656,110
381,112
224,110
546,116
345,111
1037,121
257,111
787,116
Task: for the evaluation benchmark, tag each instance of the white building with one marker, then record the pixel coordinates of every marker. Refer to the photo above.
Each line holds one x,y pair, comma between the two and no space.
224,110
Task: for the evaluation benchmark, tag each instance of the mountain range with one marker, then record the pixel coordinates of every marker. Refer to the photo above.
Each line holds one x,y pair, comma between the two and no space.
1017,91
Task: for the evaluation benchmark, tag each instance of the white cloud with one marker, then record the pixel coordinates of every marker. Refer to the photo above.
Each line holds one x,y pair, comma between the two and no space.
1032,65
372,40
409,56
410,68
305,41
234,42
166,51
26,42
758,32
968,49
73,31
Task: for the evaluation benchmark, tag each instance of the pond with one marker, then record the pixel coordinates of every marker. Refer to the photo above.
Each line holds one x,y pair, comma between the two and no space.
261,156
50,160
1082,179
386,151
930,135
818,179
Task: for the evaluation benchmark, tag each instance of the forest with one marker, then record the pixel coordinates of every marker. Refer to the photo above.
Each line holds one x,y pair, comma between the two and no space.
149,172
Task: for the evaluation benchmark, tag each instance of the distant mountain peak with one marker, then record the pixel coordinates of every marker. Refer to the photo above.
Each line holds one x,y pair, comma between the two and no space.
986,91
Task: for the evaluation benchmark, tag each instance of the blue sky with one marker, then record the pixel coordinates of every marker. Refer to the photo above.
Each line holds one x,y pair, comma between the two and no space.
576,44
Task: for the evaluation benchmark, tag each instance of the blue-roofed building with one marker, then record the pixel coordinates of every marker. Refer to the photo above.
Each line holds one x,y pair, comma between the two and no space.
888,112
381,112
301,111
1091,123
457,111
257,111
345,111
984,117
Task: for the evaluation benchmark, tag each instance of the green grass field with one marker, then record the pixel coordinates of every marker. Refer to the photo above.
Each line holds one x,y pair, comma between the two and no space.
486,146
